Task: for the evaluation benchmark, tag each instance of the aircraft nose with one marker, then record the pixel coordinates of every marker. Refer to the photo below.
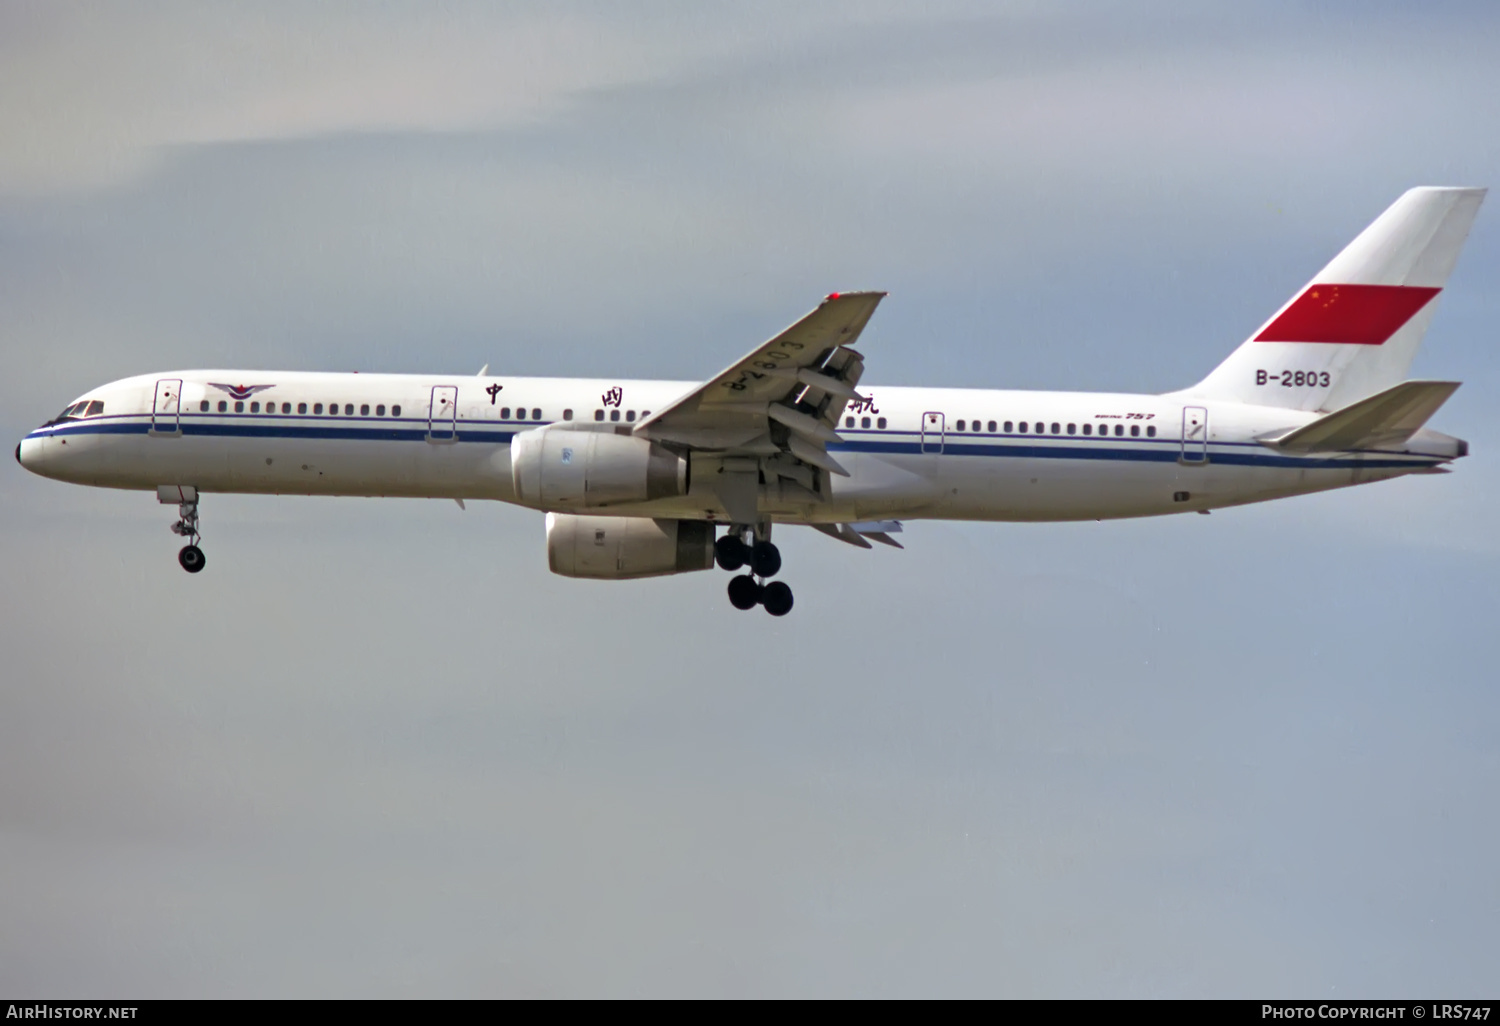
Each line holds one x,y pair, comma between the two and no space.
26,454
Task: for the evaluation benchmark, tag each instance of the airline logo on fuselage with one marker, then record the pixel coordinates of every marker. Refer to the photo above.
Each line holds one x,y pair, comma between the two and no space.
241,391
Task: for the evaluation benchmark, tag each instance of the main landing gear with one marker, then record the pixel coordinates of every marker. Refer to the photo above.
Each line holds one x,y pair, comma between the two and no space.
191,557
750,590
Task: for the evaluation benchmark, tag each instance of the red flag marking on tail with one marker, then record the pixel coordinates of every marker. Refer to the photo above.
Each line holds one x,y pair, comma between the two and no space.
1355,315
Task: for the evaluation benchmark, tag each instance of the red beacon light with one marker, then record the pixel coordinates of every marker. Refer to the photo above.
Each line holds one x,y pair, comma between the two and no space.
833,295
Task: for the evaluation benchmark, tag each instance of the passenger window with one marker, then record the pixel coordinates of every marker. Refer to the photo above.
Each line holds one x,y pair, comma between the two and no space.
864,422
1150,431
505,413
1119,430
880,423
255,406
364,409
380,410
1088,429
992,427
317,407
301,407
1009,427
614,414
286,407
537,415
223,406
960,425
1072,429
239,407
598,414
567,414
848,422
645,414
395,411
203,406
630,415
1135,431
1057,429
348,409
974,426
1021,427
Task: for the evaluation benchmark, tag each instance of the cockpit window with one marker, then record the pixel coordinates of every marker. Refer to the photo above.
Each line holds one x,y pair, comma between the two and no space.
82,408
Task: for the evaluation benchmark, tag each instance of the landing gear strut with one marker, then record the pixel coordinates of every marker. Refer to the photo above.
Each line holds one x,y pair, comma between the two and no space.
750,590
191,557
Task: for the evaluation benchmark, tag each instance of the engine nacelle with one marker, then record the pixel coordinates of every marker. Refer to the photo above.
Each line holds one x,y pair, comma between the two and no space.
566,469
619,548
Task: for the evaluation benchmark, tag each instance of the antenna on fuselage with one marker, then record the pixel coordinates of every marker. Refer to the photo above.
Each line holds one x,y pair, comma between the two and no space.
483,371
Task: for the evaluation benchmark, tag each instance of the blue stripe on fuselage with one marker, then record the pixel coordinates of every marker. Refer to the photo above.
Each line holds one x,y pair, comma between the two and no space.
1138,450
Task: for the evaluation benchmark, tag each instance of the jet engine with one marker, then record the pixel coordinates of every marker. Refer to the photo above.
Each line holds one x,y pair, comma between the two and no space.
625,547
569,469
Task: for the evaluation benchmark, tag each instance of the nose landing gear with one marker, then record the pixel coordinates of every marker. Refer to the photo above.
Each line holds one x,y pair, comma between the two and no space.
747,591
191,557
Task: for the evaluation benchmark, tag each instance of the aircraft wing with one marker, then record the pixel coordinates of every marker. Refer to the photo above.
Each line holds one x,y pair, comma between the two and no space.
785,396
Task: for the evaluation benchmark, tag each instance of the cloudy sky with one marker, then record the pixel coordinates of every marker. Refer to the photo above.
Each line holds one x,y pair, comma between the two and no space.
377,750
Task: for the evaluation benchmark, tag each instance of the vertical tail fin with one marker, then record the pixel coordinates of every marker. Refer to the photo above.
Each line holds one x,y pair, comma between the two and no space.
1355,328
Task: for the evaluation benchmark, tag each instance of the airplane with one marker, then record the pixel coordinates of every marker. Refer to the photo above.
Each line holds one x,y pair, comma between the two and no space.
635,478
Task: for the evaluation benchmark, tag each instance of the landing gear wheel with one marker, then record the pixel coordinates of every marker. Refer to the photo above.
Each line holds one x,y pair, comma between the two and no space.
744,592
191,558
731,552
765,559
777,598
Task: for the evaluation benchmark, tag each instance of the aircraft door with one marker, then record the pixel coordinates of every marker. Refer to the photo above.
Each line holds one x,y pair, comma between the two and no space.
933,425
166,408
1194,434
442,415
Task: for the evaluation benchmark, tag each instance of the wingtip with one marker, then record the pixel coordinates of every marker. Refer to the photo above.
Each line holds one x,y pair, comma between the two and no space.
865,294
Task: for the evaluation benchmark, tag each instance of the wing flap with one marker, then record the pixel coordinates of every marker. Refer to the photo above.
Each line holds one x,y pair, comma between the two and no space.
778,405
859,534
738,398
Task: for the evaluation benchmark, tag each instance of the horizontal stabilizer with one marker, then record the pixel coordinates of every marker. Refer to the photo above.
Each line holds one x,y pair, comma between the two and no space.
1384,419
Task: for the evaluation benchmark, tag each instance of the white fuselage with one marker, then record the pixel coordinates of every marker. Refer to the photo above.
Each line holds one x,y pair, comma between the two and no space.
964,454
